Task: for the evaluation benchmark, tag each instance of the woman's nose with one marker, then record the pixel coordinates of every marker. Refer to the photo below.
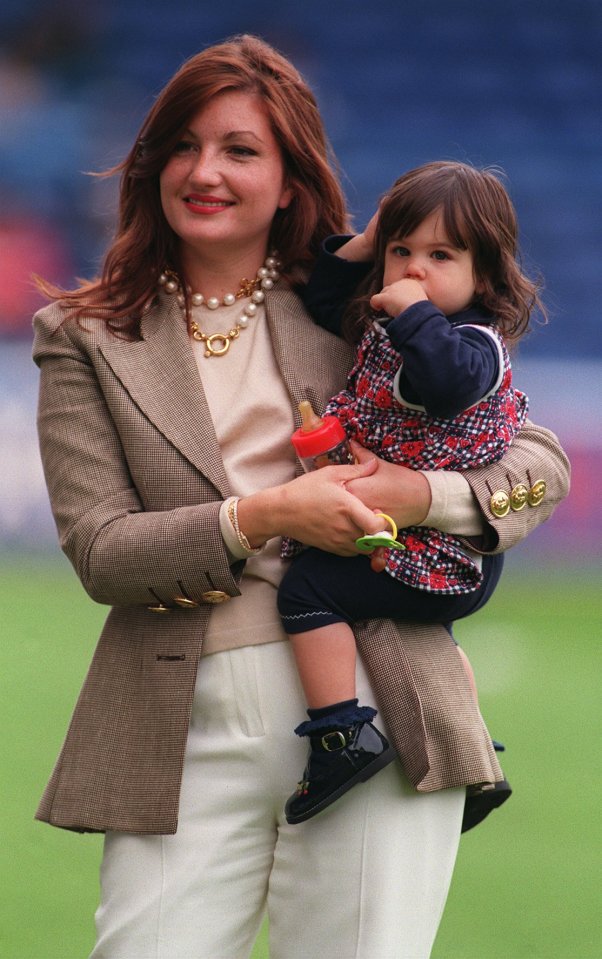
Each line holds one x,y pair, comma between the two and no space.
206,169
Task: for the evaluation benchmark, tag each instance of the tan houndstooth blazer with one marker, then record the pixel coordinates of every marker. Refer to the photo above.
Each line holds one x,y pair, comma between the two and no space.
136,481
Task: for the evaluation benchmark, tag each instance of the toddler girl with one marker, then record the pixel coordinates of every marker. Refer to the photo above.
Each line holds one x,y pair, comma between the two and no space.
431,388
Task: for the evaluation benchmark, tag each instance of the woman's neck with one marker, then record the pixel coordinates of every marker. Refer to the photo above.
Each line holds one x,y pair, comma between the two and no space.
216,275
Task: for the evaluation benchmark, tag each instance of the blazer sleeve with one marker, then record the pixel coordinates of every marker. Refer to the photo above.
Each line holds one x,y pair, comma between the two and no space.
522,490
123,553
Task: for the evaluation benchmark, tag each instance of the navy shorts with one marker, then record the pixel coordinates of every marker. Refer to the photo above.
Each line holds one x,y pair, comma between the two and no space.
320,588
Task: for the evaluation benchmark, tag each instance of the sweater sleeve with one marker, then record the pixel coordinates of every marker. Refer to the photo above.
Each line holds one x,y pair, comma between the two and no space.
331,285
446,369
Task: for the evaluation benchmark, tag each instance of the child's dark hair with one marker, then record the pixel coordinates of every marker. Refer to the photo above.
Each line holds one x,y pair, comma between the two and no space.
478,216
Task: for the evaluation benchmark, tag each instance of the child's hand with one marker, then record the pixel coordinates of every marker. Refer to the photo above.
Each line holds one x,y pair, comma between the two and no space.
398,296
369,234
360,248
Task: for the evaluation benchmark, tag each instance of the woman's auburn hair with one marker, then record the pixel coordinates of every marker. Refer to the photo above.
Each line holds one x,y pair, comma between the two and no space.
144,243
477,215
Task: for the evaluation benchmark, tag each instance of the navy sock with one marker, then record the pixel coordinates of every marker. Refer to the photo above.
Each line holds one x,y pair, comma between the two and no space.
335,716
331,710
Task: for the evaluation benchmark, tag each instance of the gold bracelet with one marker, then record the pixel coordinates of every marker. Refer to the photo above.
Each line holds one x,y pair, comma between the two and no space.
242,539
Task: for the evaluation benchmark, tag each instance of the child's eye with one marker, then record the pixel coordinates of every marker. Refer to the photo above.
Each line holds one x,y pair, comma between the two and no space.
400,250
440,255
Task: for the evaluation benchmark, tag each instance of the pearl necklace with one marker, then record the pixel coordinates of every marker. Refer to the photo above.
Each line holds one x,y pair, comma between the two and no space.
217,344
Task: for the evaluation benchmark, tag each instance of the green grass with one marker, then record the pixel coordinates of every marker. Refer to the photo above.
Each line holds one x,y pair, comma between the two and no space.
527,881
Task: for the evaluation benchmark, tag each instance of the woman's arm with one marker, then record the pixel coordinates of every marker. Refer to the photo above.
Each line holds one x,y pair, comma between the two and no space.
122,554
124,549
477,504
523,489
316,508
138,522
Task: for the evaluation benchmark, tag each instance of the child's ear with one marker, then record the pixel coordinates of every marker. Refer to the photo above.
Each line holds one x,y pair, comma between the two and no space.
479,286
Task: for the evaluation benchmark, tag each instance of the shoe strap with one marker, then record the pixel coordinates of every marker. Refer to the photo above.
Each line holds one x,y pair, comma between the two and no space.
339,721
333,741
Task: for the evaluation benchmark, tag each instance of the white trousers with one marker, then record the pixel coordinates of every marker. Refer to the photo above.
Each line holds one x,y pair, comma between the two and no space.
365,879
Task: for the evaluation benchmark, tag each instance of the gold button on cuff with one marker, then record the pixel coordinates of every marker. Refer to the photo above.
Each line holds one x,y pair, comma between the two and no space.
500,503
214,596
185,602
537,493
159,609
518,497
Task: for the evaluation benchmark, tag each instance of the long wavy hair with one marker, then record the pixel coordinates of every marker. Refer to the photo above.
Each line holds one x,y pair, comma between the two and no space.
144,243
477,215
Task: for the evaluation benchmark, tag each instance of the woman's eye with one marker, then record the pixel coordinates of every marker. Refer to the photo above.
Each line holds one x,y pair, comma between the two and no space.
242,151
184,146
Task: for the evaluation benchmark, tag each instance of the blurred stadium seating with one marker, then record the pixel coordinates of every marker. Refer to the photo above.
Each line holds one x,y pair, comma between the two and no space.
517,85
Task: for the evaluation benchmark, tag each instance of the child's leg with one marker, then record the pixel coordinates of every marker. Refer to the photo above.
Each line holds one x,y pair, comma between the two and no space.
311,602
326,591
326,664
345,747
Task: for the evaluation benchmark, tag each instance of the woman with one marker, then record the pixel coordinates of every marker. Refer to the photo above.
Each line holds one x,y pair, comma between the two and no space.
164,422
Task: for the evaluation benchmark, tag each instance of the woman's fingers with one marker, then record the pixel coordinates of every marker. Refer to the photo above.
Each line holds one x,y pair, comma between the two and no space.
403,493
317,508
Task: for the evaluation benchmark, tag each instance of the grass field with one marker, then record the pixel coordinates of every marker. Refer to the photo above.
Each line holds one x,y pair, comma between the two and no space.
527,884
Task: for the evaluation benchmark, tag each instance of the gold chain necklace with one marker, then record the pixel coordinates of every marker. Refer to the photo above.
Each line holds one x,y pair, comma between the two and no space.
217,344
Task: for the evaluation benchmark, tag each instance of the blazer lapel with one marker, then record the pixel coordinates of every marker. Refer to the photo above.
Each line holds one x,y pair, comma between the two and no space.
284,322
313,363
160,375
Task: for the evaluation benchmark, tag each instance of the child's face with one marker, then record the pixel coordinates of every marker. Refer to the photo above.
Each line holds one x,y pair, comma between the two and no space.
427,256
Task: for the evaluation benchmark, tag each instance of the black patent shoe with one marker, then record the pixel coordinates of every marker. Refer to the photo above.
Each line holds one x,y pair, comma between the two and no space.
480,802
338,759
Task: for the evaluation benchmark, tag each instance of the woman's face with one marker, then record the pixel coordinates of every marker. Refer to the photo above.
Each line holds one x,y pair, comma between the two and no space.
225,179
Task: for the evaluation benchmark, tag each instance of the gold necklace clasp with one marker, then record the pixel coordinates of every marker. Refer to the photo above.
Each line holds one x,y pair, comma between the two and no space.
224,338
209,339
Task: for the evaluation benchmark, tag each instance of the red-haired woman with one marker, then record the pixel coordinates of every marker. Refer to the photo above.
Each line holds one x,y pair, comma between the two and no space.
168,394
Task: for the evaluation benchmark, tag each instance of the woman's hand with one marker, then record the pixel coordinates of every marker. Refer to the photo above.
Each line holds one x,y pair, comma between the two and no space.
401,492
317,508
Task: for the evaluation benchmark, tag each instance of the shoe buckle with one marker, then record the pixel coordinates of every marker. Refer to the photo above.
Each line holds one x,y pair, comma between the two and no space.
329,745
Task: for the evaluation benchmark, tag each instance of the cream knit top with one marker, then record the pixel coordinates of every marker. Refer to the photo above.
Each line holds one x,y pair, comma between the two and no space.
253,421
